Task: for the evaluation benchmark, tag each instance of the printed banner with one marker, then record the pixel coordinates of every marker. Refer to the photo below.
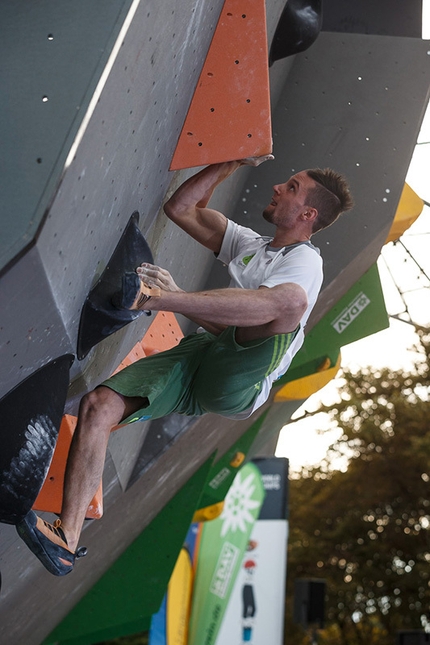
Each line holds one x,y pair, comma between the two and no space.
222,546
255,613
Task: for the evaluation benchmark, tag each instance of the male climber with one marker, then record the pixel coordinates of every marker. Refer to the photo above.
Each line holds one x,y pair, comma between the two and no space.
251,331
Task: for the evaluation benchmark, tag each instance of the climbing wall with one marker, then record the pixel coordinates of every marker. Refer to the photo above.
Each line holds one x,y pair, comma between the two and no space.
229,117
89,142
361,116
117,94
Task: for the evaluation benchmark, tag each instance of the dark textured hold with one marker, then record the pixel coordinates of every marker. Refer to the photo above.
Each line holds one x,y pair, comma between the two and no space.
125,297
298,27
30,418
100,317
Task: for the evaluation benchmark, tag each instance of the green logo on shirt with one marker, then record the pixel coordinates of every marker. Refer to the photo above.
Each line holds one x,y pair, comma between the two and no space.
247,259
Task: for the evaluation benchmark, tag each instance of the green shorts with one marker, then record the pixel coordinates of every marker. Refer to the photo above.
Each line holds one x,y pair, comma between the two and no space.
204,373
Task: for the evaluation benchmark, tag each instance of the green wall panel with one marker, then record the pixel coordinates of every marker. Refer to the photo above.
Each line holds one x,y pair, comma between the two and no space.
222,473
359,313
126,596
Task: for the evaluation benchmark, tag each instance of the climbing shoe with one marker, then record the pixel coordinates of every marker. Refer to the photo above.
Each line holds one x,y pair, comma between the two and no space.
134,293
49,544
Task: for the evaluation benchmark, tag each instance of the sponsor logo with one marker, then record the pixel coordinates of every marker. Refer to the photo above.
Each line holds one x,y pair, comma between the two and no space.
224,569
272,482
350,313
247,259
219,478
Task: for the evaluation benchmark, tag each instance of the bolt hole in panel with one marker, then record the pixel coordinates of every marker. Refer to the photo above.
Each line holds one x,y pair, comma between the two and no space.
99,318
229,115
30,416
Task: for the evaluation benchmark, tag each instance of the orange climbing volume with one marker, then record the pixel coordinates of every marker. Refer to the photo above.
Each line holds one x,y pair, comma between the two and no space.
163,333
229,115
50,497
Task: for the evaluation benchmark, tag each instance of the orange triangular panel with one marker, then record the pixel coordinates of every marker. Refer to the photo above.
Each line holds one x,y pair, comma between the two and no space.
229,115
50,497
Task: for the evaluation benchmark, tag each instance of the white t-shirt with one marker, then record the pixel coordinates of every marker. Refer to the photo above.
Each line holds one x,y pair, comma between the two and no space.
252,263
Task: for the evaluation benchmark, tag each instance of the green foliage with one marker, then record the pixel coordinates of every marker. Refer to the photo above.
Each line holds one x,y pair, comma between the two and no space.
366,530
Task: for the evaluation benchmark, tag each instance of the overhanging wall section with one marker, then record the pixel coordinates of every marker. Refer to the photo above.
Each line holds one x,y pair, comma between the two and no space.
354,103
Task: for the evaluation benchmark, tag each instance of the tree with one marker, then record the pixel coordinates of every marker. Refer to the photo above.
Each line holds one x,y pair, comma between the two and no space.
366,530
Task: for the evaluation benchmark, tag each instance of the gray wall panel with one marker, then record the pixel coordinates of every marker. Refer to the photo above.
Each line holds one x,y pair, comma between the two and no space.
352,103
52,54
383,17
121,165
31,329
122,162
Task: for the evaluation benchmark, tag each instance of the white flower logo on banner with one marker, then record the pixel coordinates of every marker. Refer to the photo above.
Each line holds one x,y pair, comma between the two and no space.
238,505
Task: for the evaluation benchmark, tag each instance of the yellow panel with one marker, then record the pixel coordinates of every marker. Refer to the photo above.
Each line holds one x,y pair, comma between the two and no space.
238,459
178,600
302,388
409,208
208,512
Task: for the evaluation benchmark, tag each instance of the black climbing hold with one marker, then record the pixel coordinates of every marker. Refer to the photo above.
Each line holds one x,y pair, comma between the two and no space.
99,317
126,296
298,27
30,418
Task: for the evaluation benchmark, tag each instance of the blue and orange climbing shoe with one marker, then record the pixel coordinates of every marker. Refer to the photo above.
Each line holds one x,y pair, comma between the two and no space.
49,544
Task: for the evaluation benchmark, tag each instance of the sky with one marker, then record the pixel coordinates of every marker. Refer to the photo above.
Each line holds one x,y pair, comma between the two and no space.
301,441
